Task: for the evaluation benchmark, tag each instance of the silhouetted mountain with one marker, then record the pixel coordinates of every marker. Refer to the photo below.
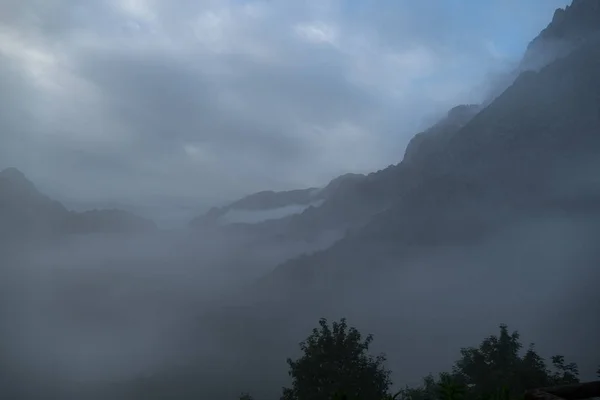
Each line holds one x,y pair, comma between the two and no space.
267,206
23,209
351,201
569,28
529,153
427,143
25,212
257,203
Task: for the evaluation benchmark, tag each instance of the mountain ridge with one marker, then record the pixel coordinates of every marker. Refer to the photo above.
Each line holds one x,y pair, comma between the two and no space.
378,191
26,212
513,159
570,27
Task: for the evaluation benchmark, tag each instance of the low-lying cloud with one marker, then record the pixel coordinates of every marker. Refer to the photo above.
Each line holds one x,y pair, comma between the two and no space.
95,310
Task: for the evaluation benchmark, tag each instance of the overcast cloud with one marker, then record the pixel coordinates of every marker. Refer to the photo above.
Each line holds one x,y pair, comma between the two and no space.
133,100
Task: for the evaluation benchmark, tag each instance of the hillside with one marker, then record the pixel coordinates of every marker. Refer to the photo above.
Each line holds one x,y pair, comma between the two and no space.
352,205
262,205
276,213
570,27
26,212
529,153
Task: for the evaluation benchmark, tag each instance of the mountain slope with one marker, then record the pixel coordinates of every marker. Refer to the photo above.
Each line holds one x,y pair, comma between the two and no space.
352,205
531,152
349,201
275,212
25,212
259,205
570,27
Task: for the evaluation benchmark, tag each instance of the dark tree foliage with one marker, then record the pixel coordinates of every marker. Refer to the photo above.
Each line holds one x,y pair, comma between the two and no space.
336,364
495,370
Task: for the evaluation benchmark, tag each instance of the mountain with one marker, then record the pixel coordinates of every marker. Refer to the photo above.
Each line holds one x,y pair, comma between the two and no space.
425,144
569,28
528,154
24,211
267,206
347,203
260,206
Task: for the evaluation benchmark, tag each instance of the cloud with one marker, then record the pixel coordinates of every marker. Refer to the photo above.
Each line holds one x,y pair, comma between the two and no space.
129,100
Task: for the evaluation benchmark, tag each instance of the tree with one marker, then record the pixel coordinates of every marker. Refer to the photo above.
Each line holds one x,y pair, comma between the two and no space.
493,364
496,363
564,374
336,362
246,396
495,370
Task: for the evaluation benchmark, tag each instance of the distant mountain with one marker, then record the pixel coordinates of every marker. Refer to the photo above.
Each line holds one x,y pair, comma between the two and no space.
509,113
24,211
268,206
348,202
259,207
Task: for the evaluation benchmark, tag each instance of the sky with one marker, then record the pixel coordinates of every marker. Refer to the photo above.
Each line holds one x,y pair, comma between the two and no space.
202,101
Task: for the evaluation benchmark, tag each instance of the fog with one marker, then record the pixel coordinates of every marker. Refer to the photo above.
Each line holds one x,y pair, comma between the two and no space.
135,280
112,307
252,217
166,111
95,310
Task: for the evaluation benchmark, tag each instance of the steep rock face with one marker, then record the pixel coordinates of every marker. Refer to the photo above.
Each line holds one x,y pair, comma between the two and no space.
350,206
530,152
551,115
569,27
426,143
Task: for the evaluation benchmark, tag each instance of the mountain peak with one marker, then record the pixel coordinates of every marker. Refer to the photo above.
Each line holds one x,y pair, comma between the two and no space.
13,173
17,179
574,22
570,27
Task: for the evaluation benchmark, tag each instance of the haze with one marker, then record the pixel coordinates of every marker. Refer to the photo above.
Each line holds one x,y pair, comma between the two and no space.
166,109
183,106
